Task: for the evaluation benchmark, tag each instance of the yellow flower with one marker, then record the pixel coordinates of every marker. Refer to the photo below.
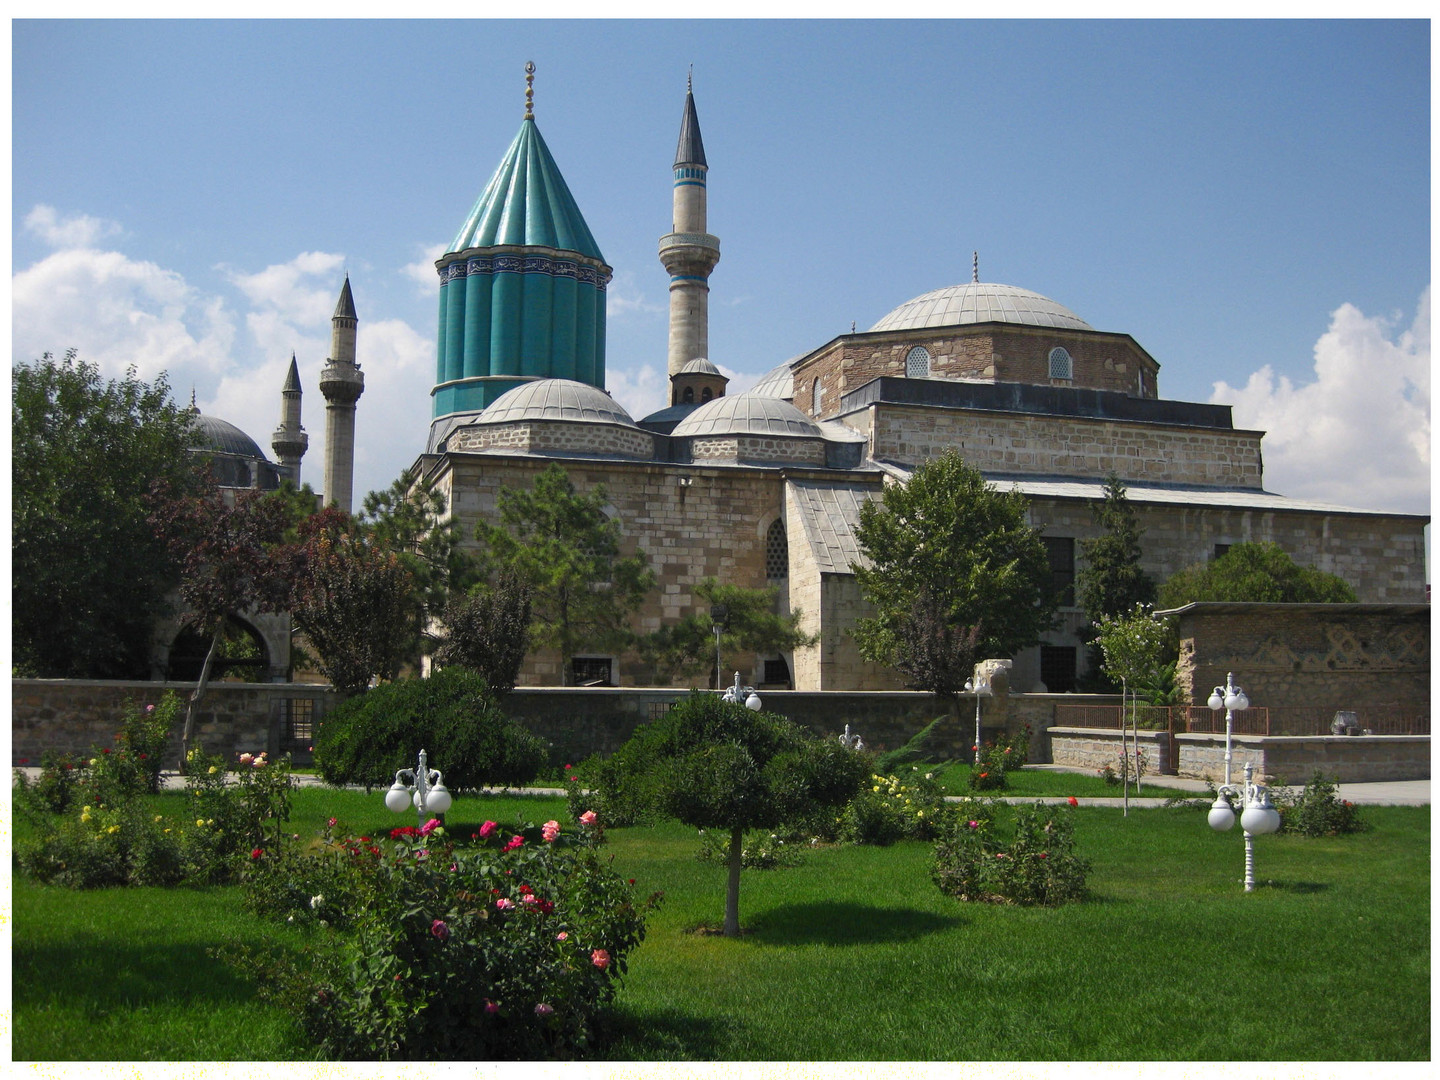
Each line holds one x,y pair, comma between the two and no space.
210,821
919,813
212,770
113,829
876,789
158,816
200,822
167,830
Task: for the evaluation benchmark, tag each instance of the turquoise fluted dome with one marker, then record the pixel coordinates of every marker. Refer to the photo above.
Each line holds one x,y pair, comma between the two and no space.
522,287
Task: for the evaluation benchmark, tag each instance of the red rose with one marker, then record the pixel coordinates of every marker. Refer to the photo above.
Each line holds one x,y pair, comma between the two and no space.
257,853
1073,801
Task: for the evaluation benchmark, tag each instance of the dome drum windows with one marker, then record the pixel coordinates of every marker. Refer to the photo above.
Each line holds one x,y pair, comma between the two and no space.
1061,365
917,363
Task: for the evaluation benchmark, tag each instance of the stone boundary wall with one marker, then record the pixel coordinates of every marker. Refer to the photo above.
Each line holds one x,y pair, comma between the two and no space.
1092,749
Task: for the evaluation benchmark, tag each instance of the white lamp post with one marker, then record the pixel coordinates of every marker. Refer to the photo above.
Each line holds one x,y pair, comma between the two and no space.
425,791
1257,815
980,689
742,695
719,617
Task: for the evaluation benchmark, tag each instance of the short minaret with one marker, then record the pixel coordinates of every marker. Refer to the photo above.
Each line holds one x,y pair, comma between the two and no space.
290,441
689,253
342,382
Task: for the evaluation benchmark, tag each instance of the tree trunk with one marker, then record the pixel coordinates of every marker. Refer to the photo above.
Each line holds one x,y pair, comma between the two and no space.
732,886
194,704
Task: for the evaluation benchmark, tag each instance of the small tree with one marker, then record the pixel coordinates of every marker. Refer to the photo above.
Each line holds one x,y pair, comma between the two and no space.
751,625
717,765
1261,573
949,561
354,601
567,549
1110,580
488,631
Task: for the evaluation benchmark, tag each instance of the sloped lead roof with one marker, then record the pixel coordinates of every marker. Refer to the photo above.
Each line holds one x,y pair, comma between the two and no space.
292,380
345,309
527,204
690,151
829,514
555,399
977,302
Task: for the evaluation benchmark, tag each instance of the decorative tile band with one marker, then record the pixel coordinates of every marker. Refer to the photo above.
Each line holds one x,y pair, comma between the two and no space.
524,264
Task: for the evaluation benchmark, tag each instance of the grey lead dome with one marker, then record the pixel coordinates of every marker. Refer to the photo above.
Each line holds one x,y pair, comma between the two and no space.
748,414
555,399
978,302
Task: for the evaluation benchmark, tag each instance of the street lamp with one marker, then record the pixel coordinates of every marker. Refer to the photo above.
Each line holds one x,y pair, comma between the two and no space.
980,688
1257,815
425,791
742,695
719,614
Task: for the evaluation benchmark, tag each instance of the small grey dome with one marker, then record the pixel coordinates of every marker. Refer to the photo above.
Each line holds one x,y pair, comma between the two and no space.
977,302
699,366
777,382
555,399
748,414
223,437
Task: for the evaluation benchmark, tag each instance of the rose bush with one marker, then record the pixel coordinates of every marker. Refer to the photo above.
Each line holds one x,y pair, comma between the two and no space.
1037,865
908,805
477,949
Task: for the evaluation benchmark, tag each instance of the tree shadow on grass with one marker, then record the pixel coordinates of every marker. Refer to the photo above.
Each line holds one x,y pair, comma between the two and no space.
101,978
829,923
1302,887
623,1034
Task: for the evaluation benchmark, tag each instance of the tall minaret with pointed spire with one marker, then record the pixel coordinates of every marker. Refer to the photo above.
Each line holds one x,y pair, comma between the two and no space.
290,441
688,252
342,382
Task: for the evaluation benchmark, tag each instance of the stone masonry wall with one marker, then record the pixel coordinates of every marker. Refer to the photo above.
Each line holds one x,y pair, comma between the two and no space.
1069,446
1363,759
538,437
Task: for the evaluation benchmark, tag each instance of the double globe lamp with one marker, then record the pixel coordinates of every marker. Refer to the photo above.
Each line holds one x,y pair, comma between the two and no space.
425,791
1257,816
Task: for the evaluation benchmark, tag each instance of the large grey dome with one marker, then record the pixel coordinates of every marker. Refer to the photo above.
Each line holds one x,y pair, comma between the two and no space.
555,399
748,414
978,302
223,437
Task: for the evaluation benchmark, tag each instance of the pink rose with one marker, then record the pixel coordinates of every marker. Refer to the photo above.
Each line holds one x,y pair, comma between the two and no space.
491,1007
245,759
549,831
429,826
487,829
562,936
543,1010
587,818
504,903
600,958
440,930
149,708
515,842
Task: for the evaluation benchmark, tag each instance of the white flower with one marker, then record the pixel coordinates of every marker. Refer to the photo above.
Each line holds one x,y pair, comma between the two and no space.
316,901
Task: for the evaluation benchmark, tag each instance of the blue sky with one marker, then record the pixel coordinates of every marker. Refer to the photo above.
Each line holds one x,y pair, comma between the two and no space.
1249,200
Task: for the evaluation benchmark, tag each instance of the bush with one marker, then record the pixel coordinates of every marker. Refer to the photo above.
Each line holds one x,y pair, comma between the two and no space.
504,948
923,746
453,715
758,850
1037,866
1318,811
910,806
988,774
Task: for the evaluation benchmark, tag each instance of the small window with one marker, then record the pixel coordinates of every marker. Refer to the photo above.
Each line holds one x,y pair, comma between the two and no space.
1220,549
706,394
688,396
297,728
592,670
917,363
1140,379
1061,366
777,672
815,391
1061,553
777,552
1057,668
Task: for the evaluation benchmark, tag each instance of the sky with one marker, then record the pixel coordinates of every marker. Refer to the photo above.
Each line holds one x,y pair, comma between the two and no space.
1248,200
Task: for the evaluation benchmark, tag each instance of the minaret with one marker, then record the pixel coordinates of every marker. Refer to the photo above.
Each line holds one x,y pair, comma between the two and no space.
290,441
342,382
689,253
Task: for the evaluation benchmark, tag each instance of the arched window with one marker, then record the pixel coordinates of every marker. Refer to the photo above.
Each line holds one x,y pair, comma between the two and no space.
1061,366
815,390
777,552
706,394
689,395
917,363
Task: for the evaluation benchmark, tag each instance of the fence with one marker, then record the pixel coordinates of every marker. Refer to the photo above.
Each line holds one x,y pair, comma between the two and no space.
1296,720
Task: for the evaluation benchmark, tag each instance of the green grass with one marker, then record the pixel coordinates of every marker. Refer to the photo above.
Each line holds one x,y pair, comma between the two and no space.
1037,783
852,956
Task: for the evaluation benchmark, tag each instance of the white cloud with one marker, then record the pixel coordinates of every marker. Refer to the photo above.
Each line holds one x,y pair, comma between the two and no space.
1359,434
72,231
303,290
641,390
422,271
623,297
118,312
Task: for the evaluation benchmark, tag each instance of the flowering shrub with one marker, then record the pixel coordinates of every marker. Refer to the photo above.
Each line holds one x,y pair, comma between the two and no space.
479,949
758,851
1038,865
910,805
1317,810
988,774
1133,764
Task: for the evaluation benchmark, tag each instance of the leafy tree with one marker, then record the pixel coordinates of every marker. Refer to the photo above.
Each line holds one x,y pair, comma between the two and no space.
717,765
1139,651
565,547
1260,573
410,520
228,551
489,631
947,549
1110,580
89,575
354,600
751,625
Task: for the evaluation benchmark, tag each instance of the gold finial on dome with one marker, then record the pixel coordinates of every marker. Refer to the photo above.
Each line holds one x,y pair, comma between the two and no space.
530,90
975,267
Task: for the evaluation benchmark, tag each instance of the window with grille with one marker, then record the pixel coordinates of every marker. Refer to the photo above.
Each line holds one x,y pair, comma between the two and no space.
815,393
1060,550
1220,549
592,670
917,363
777,552
1061,366
1057,668
777,672
297,724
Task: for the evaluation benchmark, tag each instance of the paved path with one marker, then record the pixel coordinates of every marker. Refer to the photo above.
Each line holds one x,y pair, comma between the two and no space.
1155,790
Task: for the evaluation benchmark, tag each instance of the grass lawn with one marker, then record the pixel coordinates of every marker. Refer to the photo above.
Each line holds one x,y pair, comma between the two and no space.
854,955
